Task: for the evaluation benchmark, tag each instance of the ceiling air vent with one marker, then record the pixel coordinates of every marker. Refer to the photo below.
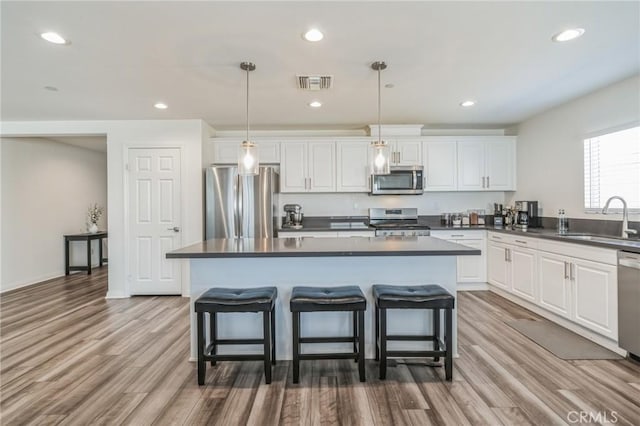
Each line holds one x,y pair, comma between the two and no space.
314,82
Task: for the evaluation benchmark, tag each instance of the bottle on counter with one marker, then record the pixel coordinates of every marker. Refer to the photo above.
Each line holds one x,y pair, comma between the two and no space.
563,222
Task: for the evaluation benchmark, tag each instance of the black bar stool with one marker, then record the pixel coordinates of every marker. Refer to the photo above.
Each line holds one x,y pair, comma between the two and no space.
431,297
215,300
319,299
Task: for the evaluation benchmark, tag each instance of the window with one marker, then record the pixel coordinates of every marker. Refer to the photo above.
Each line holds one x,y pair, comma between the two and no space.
612,167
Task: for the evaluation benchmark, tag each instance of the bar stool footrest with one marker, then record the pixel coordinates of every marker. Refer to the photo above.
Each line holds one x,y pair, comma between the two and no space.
232,357
239,341
340,355
345,339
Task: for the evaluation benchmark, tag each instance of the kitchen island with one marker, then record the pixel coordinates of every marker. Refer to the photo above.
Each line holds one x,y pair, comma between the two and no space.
289,262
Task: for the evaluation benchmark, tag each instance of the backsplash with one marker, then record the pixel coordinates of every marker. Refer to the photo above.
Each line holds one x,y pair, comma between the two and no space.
358,204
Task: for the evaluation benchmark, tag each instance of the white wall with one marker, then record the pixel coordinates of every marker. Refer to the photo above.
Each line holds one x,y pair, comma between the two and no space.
187,135
550,148
357,204
47,188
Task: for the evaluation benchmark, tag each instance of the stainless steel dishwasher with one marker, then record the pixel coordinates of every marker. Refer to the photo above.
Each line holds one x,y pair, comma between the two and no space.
629,303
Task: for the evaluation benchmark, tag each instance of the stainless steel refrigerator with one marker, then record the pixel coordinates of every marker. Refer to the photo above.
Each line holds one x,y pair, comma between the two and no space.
241,206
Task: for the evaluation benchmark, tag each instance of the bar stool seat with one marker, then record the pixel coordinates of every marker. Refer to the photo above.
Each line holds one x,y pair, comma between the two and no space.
432,297
322,299
224,300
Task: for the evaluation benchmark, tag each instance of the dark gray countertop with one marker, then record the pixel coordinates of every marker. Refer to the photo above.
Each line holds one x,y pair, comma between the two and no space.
321,247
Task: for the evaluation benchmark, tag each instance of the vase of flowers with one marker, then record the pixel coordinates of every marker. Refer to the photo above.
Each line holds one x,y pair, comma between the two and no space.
93,216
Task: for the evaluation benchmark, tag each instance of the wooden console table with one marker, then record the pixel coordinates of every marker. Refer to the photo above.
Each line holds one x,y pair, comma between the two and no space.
83,237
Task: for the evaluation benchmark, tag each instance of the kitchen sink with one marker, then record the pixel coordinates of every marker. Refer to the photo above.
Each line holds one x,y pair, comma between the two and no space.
602,239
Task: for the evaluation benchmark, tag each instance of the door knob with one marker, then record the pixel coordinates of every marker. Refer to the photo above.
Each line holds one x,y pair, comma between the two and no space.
174,229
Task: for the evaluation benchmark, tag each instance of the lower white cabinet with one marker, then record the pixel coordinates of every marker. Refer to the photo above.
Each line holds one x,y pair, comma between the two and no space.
595,296
497,265
523,265
554,283
512,265
470,269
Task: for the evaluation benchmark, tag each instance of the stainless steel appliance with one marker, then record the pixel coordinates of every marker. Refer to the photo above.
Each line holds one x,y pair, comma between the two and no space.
402,222
292,216
527,215
629,303
403,180
240,206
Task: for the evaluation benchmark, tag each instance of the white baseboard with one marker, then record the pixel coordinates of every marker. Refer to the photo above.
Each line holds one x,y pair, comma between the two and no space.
587,334
116,295
32,281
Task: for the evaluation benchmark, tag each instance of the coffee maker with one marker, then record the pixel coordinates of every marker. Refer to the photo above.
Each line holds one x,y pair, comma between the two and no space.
527,215
292,216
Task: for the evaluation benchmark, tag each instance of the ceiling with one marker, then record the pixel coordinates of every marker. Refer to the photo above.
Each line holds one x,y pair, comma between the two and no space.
125,56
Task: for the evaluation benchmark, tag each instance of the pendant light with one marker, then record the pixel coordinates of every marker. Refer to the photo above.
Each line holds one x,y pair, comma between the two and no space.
380,152
248,161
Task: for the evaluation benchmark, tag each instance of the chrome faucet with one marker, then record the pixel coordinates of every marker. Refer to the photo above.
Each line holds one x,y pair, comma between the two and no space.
625,216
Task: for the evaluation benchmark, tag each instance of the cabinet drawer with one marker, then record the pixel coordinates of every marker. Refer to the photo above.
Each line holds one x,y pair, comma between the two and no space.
462,234
580,251
516,240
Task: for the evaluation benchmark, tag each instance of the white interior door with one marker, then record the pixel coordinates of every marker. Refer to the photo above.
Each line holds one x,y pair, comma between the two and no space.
154,220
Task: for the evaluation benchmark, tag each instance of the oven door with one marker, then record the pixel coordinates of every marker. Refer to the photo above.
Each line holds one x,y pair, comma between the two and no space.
406,180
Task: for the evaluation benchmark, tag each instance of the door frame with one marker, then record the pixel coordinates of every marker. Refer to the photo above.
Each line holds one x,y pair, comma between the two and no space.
184,271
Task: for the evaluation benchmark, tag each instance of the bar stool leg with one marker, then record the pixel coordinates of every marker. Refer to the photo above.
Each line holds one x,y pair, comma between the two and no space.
383,343
355,334
201,342
296,347
266,327
213,331
436,332
377,335
273,335
448,361
361,346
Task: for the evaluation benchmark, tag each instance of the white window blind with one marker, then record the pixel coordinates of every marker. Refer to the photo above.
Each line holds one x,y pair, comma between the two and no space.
612,167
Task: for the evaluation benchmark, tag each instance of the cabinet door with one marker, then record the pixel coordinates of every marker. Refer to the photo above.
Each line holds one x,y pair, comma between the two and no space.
225,152
293,167
322,167
499,165
440,168
471,269
523,273
352,171
269,152
497,266
595,297
554,286
409,152
471,166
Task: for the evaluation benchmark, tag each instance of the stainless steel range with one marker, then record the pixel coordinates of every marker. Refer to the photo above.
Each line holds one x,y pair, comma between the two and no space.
402,222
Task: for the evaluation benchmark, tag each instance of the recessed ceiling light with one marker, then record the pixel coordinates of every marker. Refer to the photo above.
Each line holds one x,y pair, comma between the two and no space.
160,105
315,104
313,34
569,34
54,38
51,88
467,103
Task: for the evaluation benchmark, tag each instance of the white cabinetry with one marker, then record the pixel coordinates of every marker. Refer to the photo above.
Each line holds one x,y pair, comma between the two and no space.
406,152
308,167
580,284
226,151
324,234
512,265
439,160
486,164
352,171
470,269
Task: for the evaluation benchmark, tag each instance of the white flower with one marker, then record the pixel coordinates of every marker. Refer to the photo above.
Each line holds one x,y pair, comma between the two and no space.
94,213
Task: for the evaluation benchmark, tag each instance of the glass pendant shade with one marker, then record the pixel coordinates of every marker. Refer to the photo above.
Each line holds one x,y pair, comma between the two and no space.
248,161
380,155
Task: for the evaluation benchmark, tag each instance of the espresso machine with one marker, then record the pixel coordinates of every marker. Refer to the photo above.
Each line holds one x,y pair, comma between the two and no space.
527,215
292,216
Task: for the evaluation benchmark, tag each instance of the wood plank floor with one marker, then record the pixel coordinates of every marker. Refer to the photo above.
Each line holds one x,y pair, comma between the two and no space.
68,356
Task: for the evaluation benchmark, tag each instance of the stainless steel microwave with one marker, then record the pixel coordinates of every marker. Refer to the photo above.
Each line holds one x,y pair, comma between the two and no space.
403,180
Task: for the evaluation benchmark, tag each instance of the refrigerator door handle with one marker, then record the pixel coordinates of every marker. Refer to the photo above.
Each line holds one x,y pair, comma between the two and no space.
240,217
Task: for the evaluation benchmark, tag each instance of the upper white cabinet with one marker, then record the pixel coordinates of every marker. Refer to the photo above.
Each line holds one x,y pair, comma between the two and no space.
486,164
308,166
352,169
406,152
226,151
439,160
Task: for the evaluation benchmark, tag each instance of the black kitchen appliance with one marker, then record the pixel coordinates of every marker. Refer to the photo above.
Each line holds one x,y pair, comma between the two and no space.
527,215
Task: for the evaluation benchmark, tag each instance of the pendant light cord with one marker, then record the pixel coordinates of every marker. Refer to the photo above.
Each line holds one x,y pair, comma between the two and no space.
247,105
379,127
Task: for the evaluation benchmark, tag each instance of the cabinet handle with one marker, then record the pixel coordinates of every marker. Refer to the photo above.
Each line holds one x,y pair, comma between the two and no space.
521,242
506,257
399,157
571,272
488,185
566,273
493,237
457,235
424,182
483,181
309,183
